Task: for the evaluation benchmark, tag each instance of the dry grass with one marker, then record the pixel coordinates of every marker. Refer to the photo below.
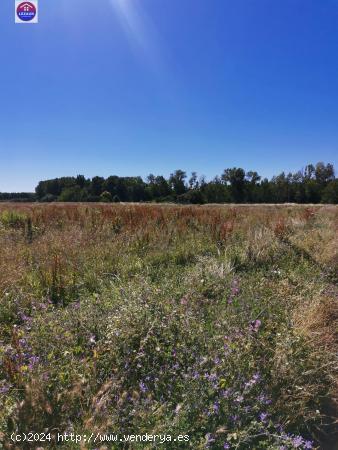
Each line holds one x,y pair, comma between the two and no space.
178,278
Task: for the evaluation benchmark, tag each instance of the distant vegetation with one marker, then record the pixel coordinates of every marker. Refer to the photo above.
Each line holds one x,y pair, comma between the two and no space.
315,184
17,197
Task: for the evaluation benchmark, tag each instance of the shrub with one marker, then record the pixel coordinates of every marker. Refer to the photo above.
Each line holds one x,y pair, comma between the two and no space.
13,219
106,197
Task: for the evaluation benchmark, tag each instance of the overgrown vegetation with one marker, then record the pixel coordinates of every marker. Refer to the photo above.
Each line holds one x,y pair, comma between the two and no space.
213,322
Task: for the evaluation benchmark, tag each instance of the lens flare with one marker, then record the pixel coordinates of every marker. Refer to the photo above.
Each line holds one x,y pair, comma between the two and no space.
137,26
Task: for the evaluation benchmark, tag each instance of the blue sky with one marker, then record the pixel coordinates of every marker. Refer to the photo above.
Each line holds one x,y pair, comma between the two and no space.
132,87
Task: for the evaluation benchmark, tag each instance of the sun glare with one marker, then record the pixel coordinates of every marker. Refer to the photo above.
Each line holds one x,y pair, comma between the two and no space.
133,22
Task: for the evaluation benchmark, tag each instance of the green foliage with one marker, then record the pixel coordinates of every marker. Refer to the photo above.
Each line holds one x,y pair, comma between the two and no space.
21,197
72,194
313,185
330,193
106,197
48,198
13,219
177,182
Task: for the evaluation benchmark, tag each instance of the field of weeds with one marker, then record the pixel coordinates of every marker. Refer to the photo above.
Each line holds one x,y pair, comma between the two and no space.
217,322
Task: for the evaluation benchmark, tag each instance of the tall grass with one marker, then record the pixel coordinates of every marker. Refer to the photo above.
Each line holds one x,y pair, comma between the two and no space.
215,322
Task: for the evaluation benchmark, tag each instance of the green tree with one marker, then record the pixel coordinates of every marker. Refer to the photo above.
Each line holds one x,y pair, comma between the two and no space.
106,197
236,178
252,186
193,181
72,194
215,191
323,173
81,181
96,186
177,182
330,193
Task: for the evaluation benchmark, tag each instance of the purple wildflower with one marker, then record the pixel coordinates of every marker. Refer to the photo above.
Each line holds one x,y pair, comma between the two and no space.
216,407
255,325
226,393
33,360
210,439
23,317
211,377
5,388
263,416
262,398
279,427
143,387
297,441
256,377
239,399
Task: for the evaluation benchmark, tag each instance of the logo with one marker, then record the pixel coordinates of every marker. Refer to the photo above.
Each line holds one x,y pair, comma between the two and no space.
26,12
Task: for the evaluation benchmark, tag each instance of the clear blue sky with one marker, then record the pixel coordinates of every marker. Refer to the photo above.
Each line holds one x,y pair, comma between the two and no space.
130,87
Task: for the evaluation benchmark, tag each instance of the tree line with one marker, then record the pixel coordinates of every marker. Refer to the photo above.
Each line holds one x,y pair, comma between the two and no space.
17,197
314,184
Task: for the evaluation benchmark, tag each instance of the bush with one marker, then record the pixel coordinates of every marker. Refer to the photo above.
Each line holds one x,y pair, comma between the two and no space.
49,198
13,219
106,197
72,194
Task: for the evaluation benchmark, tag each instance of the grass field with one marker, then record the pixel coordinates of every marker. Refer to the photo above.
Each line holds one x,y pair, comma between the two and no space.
216,322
